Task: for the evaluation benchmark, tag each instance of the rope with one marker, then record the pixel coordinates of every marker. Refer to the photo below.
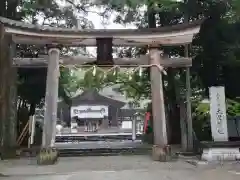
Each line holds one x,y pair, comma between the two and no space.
113,68
103,68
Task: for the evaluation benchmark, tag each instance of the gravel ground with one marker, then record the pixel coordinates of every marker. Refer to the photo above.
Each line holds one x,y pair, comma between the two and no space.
117,168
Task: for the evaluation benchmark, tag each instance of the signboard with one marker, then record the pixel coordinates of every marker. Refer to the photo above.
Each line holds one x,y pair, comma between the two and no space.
218,113
89,111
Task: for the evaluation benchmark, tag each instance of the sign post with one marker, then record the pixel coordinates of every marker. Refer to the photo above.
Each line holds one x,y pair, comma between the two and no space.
93,111
218,113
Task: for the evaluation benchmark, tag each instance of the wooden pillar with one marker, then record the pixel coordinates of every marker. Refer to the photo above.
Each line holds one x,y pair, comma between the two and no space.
105,122
134,128
158,108
8,95
12,107
51,99
113,115
3,76
183,124
189,105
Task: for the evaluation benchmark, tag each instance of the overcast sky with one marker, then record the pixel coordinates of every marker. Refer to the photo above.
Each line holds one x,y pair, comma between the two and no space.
97,21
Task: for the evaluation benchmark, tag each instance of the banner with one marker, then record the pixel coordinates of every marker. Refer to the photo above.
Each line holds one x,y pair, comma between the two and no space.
89,111
218,113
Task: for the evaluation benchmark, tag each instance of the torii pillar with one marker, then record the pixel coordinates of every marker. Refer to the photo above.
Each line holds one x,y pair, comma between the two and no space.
160,147
48,154
51,98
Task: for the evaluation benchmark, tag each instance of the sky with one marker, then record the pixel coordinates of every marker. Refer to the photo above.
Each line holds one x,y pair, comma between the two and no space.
97,21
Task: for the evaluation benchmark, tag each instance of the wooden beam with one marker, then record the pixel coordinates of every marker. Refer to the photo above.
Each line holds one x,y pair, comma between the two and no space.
83,60
117,42
34,34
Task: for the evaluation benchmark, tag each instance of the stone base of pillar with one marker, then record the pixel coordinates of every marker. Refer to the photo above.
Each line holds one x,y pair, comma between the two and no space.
221,154
47,156
162,154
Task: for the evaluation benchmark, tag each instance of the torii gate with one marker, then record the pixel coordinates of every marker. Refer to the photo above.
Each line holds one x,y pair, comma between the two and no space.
55,38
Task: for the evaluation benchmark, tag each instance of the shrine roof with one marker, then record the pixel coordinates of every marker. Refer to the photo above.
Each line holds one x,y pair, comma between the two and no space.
93,97
36,34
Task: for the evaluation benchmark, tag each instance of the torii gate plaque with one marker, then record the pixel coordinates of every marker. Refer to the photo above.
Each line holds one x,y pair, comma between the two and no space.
182,34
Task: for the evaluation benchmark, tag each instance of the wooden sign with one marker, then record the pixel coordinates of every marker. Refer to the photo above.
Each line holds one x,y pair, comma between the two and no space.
104,51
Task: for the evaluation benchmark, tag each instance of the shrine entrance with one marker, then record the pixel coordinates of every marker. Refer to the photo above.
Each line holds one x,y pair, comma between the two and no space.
55,39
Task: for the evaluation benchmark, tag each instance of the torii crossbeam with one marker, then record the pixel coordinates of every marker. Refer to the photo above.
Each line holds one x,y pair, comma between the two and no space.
83,60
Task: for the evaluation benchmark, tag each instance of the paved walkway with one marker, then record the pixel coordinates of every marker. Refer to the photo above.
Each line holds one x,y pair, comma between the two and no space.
116,168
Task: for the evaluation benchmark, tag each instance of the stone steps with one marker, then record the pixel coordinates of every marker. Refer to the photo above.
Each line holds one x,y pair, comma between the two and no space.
100,148
91,152
103,152
75,138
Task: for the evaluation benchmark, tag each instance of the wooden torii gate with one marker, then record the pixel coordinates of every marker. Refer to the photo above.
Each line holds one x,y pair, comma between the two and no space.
54,38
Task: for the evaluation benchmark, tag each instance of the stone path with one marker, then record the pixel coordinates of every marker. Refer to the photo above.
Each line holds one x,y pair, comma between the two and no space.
117,168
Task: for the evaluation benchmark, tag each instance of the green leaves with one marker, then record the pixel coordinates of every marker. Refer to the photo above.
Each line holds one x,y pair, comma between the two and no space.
92,80
235,13
202,109
233,108
129,82
133,85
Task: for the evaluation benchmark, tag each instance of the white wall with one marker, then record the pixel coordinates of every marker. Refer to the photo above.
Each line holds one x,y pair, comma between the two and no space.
127,124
